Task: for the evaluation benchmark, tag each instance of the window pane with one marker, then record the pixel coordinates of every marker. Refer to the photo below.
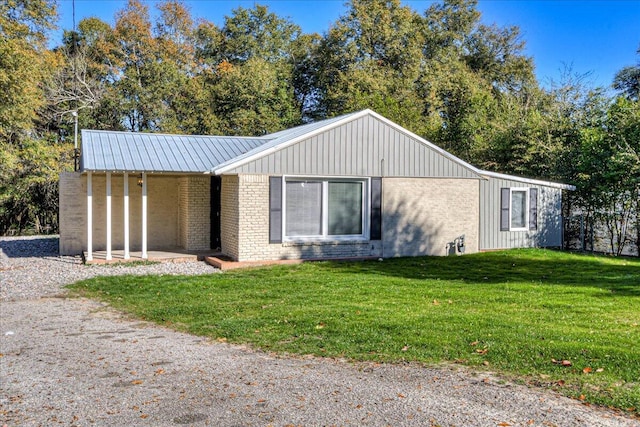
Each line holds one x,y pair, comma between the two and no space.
518,209
304,208
345,208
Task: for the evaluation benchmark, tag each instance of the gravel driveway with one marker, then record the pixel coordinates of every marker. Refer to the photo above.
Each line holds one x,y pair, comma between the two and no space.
77,362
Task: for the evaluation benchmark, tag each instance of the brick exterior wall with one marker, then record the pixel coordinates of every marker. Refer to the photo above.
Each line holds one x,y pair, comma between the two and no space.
178,212
72,210
194,210
245,227
423,216
229,216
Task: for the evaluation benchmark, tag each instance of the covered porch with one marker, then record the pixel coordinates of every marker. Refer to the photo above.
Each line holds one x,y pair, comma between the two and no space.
135,215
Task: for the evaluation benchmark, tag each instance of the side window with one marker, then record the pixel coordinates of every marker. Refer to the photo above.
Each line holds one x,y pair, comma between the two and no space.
518,209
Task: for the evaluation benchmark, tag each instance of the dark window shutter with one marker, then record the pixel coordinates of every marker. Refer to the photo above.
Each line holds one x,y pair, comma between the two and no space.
376,209
275,209
505,196
533,209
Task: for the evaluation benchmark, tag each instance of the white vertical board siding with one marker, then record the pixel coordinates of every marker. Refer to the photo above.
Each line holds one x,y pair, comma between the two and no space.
358,148
549,232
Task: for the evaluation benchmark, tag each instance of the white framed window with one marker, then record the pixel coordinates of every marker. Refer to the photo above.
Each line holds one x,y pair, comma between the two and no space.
325,208
519,209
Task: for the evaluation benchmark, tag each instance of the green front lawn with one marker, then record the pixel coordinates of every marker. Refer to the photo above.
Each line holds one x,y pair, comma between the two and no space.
512,312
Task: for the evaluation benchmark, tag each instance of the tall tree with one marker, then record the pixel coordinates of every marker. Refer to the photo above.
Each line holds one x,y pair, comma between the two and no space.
253,98
371,58
256,33
627,81
25,63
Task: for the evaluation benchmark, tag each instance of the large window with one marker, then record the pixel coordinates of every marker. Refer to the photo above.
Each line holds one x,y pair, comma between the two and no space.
328,208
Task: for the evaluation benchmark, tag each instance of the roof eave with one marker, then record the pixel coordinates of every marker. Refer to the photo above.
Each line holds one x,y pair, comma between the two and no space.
529,180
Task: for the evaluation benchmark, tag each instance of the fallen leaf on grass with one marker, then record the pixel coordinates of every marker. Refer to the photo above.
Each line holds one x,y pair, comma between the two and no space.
435,302
600,370
561,362
405,348
582,397
586,370
474,343
482,350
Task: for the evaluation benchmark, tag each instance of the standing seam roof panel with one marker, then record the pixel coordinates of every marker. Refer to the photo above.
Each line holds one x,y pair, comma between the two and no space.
125,151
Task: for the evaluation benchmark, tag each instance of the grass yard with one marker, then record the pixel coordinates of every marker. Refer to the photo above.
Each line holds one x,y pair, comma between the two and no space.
512,312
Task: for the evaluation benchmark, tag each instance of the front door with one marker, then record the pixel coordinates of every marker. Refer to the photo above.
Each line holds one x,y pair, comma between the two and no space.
216,185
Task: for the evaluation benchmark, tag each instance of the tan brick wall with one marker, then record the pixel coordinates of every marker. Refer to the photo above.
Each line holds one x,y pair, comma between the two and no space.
162,219
194,207
72,213
245,227
229,216
423,216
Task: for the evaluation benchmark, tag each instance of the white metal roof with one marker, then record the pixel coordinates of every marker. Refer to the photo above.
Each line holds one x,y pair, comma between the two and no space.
152,152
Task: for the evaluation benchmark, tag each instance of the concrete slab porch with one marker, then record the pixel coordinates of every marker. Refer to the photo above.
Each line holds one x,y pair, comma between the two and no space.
167,255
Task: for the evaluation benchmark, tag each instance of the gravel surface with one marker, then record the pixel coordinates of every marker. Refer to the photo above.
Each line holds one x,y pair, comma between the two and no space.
77,362
30,267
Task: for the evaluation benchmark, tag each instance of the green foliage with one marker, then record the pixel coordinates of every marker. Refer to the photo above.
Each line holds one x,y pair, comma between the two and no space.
627,81
256,33
29,184
515,311
24,64
609,172
255,98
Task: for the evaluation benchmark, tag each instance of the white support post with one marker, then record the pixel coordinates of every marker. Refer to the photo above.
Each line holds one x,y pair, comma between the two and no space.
89,218
126,216
144,216
108,257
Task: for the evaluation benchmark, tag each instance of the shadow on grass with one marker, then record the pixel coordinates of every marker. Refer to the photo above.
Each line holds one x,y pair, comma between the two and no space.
620,276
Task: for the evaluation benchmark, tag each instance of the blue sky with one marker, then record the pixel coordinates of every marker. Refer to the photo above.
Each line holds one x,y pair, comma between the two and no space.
593,36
